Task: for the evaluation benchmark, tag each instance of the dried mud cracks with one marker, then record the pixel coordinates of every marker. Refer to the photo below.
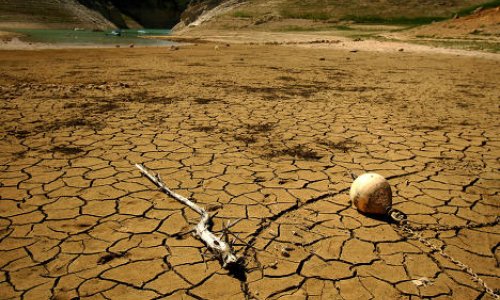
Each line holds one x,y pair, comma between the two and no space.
77,219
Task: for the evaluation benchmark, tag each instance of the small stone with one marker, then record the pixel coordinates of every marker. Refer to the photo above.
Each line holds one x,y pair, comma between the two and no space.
284,253
213,207
423,281
273,265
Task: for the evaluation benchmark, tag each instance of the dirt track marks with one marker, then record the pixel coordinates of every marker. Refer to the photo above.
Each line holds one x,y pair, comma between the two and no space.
77,220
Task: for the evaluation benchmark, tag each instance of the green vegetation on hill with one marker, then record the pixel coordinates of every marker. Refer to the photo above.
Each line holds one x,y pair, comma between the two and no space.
408,12
392,20
471,9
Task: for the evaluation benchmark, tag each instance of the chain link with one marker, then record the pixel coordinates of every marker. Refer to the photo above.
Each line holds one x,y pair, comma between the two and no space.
405,227
421,226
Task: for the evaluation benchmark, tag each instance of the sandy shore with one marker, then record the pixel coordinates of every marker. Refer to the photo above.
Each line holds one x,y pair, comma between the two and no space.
317,39
323,40
264,133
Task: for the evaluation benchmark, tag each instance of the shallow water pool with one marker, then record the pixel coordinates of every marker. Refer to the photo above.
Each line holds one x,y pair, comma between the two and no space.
95,38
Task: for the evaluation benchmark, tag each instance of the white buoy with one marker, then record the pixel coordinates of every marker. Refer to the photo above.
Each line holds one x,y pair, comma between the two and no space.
371,194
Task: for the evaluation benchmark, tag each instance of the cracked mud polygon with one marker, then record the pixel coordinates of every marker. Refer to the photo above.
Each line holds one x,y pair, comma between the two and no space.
267,134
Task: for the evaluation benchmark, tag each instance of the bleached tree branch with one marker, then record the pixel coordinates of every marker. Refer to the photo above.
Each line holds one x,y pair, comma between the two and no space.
217,245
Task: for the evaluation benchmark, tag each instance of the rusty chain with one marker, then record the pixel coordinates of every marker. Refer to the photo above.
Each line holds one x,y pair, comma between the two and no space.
399,217
406,228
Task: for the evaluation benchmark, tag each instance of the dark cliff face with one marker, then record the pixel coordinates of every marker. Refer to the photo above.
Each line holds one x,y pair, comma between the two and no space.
107,10
148,13
153,13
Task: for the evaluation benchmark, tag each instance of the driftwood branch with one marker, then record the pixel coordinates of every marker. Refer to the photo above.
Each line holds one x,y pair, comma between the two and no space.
217,245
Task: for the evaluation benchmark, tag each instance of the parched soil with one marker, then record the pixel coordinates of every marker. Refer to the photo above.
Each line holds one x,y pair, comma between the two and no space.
262,133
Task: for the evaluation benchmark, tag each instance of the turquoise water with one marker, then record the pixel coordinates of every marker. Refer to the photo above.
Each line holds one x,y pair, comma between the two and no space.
92,38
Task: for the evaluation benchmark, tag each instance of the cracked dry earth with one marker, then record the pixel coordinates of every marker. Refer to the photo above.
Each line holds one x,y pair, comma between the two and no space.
268,134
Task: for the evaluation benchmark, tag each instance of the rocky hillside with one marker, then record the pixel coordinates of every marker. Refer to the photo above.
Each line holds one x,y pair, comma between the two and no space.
413,11
223,13
90,13
268,14
48,14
